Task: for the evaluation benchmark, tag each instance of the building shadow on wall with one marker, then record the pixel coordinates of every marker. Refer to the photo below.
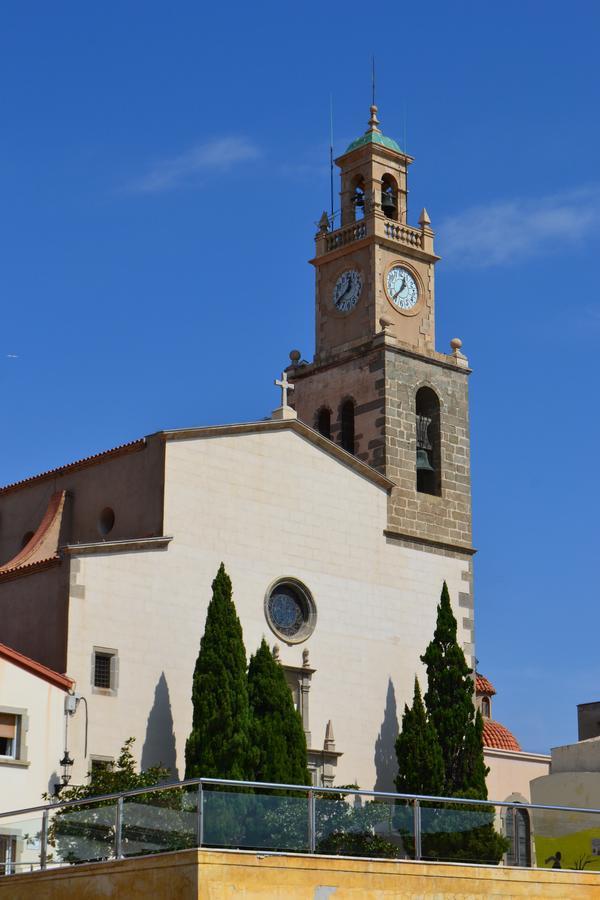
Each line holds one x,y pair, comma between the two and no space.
386,763
159,744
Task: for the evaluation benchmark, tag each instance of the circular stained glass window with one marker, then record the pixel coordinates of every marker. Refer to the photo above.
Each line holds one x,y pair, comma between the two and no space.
290,610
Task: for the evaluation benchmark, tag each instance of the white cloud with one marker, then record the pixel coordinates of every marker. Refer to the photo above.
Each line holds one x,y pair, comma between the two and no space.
513,230
217,155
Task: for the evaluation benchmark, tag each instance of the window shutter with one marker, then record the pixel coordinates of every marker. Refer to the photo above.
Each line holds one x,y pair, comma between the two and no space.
8,726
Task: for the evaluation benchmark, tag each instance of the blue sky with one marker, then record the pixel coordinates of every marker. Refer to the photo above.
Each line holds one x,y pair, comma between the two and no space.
161,170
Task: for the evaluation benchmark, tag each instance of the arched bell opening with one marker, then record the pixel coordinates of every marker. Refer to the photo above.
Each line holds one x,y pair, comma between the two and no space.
358,198
347,425
429,457
323,422
485,707
389,197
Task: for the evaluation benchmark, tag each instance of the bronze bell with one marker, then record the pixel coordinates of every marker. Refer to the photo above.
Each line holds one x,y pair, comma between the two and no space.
359,200
423,463
388,203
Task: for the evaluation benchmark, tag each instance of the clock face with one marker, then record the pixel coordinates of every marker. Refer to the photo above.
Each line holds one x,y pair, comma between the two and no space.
347,290
402,288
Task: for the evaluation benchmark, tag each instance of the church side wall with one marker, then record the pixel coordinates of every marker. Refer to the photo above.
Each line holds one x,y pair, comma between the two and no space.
268,505
130,483
34,613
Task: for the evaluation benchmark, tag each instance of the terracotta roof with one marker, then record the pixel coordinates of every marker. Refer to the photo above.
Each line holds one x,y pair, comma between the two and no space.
130,447
496,735
36,668
483,686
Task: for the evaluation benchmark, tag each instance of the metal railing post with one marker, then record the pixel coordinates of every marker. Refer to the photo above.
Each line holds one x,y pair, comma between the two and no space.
119,829
417,828
200,815
44,840
312,823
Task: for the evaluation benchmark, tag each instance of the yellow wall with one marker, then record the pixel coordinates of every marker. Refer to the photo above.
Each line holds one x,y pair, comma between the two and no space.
220,875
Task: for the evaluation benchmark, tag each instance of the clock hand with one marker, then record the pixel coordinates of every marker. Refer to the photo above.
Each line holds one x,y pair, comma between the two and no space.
401,288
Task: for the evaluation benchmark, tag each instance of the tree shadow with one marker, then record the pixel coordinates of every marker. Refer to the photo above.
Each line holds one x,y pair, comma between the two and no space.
386,764
159,744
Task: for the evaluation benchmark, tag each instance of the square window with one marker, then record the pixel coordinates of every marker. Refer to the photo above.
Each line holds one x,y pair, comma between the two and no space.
10,724
102,670
100,764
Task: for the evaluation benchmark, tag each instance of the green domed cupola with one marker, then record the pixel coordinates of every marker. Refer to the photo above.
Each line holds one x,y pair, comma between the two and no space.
373,135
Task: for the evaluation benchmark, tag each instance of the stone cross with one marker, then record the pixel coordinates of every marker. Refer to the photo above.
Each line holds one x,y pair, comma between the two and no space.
285,386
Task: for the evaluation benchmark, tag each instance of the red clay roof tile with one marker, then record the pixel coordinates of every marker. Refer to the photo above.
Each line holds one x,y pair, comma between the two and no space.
483,686
36,668
497,736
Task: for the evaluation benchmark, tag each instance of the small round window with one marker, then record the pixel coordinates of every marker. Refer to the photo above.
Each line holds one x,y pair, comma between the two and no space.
106,521
290,610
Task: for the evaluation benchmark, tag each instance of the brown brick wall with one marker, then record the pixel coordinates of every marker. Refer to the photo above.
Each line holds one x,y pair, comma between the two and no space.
446,518
383,383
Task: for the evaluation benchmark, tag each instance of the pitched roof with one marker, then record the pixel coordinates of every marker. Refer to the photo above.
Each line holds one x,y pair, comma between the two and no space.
36,668
129,447
497,736
483,686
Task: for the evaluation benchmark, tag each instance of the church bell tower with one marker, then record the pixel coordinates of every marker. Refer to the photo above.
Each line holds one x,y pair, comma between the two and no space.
377,386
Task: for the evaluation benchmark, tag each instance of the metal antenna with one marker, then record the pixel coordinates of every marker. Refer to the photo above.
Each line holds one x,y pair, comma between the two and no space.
331,156
373,79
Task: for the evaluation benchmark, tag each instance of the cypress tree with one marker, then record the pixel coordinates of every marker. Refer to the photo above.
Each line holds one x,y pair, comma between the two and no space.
462,832
420,763
450,706
276,727
219,743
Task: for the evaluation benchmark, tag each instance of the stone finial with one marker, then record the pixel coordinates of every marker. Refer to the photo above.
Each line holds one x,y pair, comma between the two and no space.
459,358
295,357
385,324
374,121
329,742
424,218
276,652
324,223
305,662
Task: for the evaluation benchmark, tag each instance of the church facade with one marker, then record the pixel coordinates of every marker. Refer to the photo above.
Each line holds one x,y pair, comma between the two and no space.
338,519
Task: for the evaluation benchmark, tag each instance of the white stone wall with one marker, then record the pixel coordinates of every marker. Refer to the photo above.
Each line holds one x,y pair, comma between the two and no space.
267,504
23,782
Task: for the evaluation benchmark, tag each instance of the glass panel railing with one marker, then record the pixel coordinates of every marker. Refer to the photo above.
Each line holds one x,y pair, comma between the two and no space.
158,821
460,832
82,833
564,840
20,844
254,817
355,825
255,820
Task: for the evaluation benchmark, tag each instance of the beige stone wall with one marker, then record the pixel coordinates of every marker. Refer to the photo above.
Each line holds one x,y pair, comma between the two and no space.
268,504
207,875
511,773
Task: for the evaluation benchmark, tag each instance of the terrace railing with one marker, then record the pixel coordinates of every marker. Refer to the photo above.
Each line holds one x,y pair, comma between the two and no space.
282,818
